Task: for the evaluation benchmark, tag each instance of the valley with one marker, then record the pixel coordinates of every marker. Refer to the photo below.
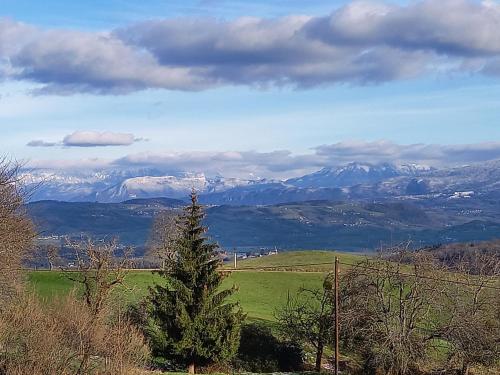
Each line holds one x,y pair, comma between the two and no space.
354,226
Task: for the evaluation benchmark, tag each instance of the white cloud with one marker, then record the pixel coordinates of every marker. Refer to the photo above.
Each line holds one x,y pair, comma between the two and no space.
90,139
96,139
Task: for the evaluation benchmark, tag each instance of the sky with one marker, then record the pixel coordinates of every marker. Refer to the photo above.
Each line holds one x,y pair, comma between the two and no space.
269,88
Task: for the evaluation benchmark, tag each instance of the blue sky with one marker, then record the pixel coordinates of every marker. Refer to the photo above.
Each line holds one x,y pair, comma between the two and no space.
96,14
189,95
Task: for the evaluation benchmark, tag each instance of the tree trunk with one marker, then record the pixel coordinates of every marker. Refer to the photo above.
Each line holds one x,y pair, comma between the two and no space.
82,369
465,369
319,356
191,368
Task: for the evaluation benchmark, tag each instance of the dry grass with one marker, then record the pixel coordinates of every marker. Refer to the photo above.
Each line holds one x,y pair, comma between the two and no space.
41,339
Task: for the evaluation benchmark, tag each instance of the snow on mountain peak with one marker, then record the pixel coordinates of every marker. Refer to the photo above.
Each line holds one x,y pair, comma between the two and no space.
149,183
348,175
412,169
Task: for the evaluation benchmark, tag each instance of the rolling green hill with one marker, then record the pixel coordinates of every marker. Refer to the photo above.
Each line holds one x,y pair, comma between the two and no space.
305,261
259,292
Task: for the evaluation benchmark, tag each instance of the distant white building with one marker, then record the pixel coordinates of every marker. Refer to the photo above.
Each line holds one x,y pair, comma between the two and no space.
462,194
273,252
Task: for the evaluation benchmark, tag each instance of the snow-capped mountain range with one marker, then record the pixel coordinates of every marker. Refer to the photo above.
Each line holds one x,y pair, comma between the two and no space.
355,180
357,173
172,186
116,186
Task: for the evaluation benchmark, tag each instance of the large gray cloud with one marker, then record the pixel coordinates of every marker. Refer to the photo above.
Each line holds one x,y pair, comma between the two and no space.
359,43
446,27
386,151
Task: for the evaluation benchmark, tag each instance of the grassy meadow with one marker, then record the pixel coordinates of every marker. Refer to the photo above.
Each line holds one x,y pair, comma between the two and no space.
260,292
307,261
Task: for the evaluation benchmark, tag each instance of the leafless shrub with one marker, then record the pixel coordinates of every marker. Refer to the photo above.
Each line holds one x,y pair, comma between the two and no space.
99,271
73,336
41,339
30,340
104,343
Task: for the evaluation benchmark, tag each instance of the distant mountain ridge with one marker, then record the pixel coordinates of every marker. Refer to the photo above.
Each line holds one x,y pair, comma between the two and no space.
353,181
355,174
110,186
304,225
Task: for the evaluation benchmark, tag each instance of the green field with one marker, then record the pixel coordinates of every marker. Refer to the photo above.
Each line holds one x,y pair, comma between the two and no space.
318,261
260,292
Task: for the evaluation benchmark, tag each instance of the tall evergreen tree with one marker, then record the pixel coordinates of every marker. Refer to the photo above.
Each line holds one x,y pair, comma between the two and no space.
194,324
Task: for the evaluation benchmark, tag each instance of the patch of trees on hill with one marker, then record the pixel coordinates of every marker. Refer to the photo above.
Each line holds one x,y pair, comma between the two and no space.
454,255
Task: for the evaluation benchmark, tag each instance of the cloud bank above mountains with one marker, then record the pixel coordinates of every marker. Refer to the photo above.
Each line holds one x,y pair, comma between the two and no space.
359,43
284,164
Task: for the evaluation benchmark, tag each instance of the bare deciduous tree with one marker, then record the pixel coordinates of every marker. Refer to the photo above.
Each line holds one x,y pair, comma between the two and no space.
385,313
16,229
308,317
163,236
98,271
397,309
47,255
52,255
472,311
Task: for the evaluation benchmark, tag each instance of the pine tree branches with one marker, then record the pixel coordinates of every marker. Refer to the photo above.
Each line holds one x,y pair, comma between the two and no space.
190,316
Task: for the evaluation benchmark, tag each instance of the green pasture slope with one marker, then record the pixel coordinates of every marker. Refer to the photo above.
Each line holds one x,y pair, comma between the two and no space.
309,261
260,292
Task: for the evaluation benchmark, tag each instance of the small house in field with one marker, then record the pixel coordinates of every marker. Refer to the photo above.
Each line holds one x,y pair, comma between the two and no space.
273,252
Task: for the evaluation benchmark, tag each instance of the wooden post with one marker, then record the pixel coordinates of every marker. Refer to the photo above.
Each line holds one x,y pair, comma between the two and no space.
336,315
